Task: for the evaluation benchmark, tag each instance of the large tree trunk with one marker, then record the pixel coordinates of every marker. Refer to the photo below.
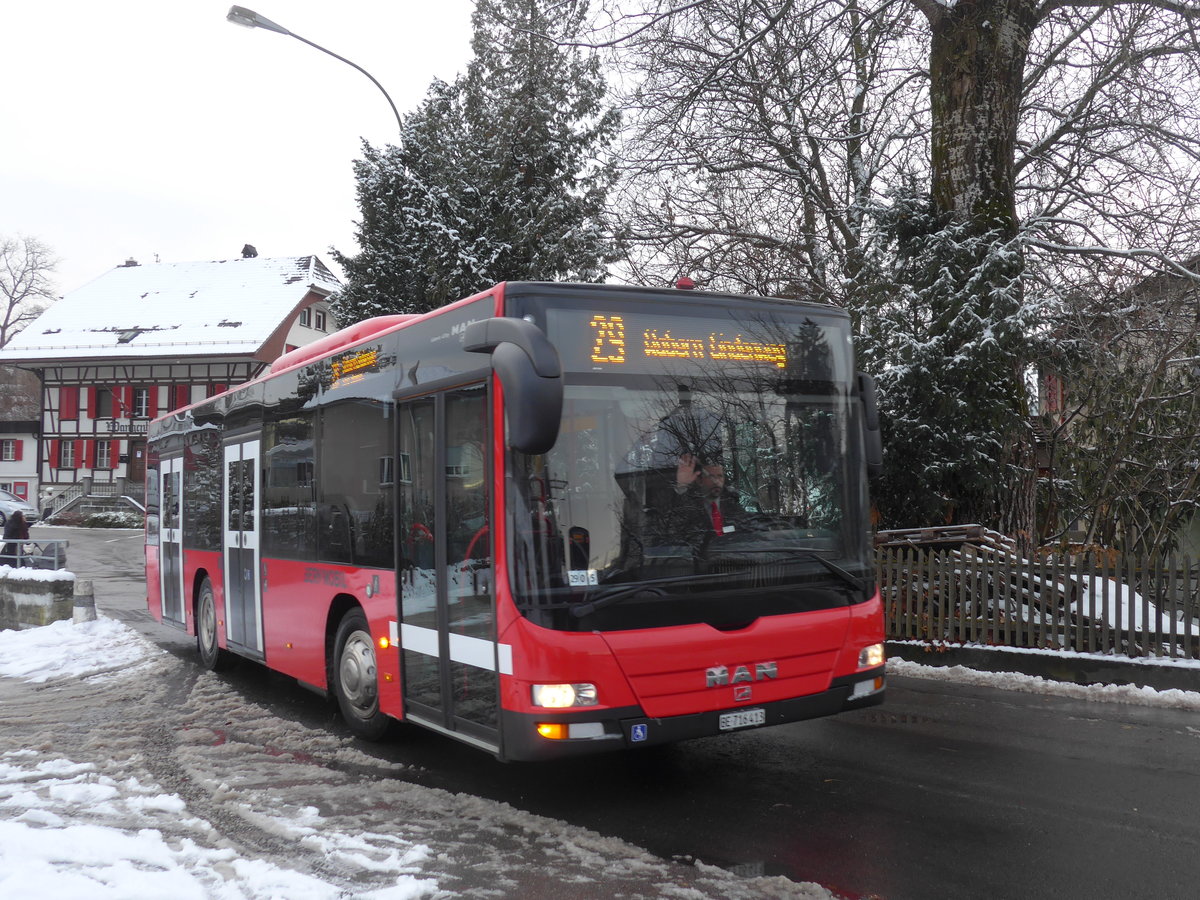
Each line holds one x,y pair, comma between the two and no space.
977,60
976,64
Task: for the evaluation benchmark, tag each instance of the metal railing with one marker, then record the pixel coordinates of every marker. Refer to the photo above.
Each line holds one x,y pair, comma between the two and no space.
1092,602
39,554
132,492
65,498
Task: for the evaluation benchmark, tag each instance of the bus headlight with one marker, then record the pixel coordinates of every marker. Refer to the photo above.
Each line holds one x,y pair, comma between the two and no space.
870,657
562,696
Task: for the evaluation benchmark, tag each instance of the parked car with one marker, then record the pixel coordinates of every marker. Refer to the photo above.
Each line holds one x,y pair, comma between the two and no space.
10,503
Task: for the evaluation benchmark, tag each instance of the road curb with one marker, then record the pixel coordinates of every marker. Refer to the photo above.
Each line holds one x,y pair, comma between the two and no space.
1080,669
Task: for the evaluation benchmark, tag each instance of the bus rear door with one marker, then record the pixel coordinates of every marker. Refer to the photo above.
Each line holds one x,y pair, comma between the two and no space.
171,539
451,658
242,512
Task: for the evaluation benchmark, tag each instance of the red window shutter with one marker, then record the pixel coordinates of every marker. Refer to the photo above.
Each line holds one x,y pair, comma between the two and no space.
55,458
18,450
68,402
183,396
152,405
80,449
92,403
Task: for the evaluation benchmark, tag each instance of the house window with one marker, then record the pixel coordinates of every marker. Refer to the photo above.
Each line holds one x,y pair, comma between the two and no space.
319,320
387,466
10,450
104,404
306,317
66,454
141,403
103,455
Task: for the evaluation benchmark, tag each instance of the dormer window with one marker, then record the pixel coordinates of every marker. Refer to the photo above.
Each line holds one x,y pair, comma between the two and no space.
319,320
306,317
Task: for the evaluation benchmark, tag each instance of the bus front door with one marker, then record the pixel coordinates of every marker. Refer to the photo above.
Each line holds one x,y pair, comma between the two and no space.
171,539
452,661
243,585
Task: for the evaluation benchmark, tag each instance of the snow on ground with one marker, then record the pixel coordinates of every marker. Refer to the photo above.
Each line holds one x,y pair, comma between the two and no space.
64,650
1034,684
126,773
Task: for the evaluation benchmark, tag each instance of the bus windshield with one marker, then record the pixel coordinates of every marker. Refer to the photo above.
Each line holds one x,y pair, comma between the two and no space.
684,488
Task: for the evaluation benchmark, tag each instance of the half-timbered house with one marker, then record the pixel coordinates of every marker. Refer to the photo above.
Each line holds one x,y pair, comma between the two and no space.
142,340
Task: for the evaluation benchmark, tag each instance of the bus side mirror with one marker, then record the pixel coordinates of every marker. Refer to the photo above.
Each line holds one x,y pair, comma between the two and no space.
531,375
872,439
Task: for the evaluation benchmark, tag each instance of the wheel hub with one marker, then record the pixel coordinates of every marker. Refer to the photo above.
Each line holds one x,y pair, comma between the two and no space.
357,672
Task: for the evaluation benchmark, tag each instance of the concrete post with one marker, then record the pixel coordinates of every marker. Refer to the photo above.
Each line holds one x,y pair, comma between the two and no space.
85,601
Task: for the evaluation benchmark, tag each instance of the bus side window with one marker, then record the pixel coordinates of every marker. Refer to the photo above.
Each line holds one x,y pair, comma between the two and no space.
356,492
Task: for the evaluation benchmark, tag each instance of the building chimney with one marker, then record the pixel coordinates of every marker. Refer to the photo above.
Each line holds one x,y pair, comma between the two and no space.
248,251
128,264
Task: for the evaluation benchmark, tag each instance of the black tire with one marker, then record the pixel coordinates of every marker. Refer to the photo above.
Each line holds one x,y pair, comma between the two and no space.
3,519
355,678
212,657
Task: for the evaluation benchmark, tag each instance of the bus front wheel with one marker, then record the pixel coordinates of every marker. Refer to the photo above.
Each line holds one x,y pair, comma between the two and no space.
212,657
356,678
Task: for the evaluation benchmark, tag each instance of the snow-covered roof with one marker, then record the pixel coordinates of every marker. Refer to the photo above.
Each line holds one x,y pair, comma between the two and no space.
218,308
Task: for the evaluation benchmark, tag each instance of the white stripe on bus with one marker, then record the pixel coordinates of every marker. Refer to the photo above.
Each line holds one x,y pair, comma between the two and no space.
471,651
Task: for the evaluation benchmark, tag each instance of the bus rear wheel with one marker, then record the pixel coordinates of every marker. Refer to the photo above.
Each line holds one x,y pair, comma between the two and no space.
356,678
212,657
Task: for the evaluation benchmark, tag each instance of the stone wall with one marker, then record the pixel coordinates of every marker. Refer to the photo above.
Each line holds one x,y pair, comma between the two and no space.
33,597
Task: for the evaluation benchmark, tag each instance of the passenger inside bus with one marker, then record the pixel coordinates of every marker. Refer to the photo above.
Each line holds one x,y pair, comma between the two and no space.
678,497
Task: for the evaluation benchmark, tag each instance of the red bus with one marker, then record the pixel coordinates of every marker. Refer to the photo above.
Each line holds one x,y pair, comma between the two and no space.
546,520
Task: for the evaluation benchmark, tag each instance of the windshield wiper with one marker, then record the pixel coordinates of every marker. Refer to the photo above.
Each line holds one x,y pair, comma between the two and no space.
617,594
853,580
804,553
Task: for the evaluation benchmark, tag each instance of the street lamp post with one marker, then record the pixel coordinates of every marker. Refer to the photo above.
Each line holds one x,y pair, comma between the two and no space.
239,15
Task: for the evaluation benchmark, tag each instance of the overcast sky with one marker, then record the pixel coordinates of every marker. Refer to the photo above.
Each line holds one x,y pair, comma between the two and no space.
155,128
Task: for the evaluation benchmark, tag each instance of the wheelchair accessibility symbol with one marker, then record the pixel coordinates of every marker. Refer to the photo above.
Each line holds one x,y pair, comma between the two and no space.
638,733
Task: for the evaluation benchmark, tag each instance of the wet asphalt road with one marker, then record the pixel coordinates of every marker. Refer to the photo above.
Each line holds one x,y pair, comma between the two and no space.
946,791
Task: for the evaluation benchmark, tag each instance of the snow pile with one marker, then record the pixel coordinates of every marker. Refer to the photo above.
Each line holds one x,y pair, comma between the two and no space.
1119,606
66,650
1035,684
28,573
104,828
70,831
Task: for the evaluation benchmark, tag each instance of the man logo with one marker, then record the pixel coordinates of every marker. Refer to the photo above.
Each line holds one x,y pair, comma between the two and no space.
718,676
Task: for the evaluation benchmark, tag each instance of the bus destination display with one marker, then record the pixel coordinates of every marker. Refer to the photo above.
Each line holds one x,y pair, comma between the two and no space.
639,343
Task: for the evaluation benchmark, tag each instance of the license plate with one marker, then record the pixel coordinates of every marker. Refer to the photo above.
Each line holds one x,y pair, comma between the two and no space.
743,718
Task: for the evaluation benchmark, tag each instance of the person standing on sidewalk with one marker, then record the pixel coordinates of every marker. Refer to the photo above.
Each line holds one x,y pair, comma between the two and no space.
16,532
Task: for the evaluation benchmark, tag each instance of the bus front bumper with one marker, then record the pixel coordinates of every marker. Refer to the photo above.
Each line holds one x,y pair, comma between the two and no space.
597,731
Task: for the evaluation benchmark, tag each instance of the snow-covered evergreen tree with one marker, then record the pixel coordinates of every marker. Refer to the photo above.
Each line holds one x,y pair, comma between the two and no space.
502,175
947,327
